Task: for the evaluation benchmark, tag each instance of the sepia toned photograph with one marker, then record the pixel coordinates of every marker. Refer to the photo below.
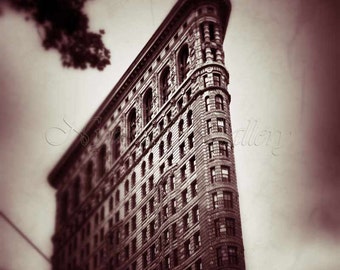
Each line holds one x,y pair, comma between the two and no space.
169,135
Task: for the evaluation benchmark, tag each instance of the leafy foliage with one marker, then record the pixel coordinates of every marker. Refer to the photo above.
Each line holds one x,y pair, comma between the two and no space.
65,27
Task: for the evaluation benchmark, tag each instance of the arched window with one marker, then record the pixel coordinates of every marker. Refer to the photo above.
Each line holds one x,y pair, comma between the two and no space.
165,84
180,127
150,160
76,192
143,168
183,62
116,143
189,118
89,176
169,139
132,125
102,160
133,179
64,206
207,104
147,104
219,102
161,149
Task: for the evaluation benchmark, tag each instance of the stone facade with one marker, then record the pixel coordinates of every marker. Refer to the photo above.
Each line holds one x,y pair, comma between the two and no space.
150,183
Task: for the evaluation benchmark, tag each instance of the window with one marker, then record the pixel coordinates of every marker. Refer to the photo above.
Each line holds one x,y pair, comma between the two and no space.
197,240
167,262
219,256
111,204
170,159
198,265
195,214
161,168
207,104
116,144
134,245
143,146
165,84
89,175
126,229
133,223
144,235
152,205
219,102
216,79
117,216
174,231
225,173
175,256
192,163
161,125
144,213
152,228
150,137
186,222
189,118
117,196
221,125
168,117
151,183
143,168
191,140
211,31
126,187
172,182
230,226
143,190
147,103
217,227
102,160
223,148
194,188
183,62
173,206
180,104
188,93
165,212
187,248
161,149
126,208
133,179
209,126
181,150
127,253
180,127
227,199
169,139
211,149
166,236
150,160
214,198
232,255
153,252
145,259
183,174
213,174
132,125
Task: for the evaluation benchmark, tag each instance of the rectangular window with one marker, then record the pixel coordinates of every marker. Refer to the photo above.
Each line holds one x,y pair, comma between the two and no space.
167,262
214,199
221,125
194,189
191,140
181,150
165,212
175,256
184,197
153,252
217,227
127,253
133,201
211,149
133,223
173,206
232,255
161,168
166,237
228,199
217,79
230,226
187,248
145,259
192,163
172,182
152,228
126,229
170,159
206,81
209,126
174,231
225,173
223,148
183,174
161,125
152,205
126,208
186,222
143,190
213,174
195,214
198,265
144,213
151,183
144,235
117,216
134,245
219,256
197,240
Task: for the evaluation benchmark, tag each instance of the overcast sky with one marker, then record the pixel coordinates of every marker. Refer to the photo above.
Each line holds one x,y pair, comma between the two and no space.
283,76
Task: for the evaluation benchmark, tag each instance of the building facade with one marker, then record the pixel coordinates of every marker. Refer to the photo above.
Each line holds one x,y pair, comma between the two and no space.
150,183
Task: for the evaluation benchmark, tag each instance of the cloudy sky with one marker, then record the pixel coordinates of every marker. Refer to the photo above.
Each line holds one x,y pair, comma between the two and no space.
283,76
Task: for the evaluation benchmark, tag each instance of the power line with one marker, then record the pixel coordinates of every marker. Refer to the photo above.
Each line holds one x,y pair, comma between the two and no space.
24,236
